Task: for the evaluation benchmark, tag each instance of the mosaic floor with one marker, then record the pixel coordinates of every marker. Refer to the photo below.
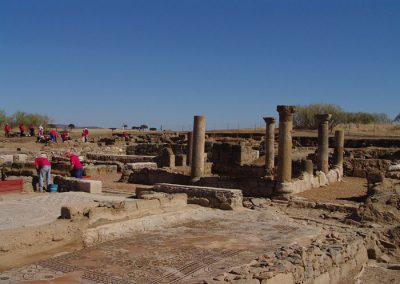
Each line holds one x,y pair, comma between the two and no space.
186,253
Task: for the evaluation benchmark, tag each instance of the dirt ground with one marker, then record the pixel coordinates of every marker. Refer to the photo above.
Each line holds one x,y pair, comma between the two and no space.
350,190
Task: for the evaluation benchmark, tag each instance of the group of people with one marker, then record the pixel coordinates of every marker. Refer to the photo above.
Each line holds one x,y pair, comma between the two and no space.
53,134
43,167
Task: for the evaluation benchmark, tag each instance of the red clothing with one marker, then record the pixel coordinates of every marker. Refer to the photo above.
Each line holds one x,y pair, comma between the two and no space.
74,160
125,134
21,128
41,162
85,132
7,128
54,133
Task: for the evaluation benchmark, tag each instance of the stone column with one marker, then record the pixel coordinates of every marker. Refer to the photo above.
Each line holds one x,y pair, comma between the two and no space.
199,137
189,149
339,148
269,145
284,173
323,142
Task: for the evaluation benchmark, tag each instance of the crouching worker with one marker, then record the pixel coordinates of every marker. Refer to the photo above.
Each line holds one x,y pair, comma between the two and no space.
43,167
76,166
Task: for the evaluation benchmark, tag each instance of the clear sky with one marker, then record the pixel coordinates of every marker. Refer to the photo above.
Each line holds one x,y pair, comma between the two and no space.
97,62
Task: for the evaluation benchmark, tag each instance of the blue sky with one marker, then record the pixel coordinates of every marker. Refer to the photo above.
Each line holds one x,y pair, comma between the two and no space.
96,62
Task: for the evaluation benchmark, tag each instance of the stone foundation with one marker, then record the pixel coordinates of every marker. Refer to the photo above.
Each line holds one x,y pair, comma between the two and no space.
227,199
309,181
120,158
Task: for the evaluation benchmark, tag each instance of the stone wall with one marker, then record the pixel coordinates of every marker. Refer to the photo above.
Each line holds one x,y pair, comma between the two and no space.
331,259
360,167
233,154
120,158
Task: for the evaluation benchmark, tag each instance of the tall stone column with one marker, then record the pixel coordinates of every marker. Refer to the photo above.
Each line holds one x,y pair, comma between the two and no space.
199,137
339,148
284,173
269,145
323,142
189,149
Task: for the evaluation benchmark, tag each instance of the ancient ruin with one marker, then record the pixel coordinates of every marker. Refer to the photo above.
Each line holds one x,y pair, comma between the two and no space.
204,207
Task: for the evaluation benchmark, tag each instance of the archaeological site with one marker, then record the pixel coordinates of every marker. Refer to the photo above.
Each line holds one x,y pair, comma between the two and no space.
266,206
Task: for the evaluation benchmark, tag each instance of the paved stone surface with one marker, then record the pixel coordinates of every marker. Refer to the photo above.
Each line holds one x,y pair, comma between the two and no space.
42,209
181,254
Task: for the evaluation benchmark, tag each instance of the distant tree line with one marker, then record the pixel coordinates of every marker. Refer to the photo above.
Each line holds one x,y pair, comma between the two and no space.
304,116
23,117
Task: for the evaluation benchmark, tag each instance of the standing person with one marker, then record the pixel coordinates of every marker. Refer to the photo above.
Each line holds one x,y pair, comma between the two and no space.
85,135
32,130
40,133
22,129
7,130
76,166
43,167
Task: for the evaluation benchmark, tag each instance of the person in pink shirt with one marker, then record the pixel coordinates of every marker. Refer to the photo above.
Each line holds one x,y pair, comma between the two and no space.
76,166
7,130
43,167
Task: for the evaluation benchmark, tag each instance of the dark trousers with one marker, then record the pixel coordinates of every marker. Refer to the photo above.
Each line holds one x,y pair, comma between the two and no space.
77,173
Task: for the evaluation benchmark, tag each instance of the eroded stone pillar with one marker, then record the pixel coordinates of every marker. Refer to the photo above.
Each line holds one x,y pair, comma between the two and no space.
189,149
323,142
339,148
269,145
284,172
198,137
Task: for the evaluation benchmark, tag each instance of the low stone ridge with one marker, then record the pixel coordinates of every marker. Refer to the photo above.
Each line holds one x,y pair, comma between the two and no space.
120,158
222,198
96,170
74,184
333,258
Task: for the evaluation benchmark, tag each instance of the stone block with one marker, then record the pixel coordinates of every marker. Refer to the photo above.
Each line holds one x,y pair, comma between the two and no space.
226,199
6,159
96,170
141,165
74,184
20,158
120,158
77,211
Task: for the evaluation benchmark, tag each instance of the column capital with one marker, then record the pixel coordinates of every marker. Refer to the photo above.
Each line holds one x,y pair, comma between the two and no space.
323,117
285,112
269,120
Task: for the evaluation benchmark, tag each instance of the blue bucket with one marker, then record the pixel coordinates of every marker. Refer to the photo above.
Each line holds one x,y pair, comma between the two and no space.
53,187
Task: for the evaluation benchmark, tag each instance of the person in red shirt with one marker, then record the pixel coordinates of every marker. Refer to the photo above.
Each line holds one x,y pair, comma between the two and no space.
64,135
53,136
76,166
22,129
7,130
85,135
43,167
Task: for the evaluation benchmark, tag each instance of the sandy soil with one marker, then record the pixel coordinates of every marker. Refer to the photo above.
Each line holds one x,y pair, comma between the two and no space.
350,190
